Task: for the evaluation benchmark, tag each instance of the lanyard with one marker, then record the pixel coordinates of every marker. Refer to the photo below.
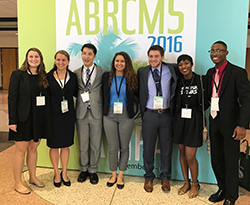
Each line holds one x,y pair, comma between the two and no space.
62,85
36,81
89,76
220,79
156,82
184,90
118,91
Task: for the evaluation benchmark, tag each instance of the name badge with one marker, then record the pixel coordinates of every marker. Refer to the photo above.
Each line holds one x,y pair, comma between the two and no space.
215,104
158,102
186,113
85,96
118,107
64,106
40,100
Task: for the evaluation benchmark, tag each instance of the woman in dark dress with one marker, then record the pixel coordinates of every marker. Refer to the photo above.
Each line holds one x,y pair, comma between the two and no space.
63,87
29,115
188,123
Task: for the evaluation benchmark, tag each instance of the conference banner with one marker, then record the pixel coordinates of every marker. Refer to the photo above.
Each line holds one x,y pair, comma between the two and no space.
131,26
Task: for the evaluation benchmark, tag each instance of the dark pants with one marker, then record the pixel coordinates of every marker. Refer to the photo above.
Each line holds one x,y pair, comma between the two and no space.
225,158
153,125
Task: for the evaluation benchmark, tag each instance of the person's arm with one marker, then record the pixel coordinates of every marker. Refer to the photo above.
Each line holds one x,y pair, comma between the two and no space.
12,100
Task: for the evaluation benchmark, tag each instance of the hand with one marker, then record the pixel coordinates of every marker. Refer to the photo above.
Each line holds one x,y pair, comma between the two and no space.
239,133
13,127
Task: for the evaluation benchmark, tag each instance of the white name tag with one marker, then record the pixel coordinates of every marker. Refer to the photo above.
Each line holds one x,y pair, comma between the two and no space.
186,113
118,106
40,100
215,104
158,102
64,106
85,96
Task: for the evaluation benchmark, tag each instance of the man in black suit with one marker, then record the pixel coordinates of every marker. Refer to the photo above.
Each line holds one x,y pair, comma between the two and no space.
229,92
157,83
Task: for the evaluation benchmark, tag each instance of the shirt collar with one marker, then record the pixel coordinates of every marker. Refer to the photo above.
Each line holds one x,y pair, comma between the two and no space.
90,68
222,67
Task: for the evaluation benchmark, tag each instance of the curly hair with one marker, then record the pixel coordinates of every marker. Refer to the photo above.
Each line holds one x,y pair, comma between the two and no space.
42,75
129,72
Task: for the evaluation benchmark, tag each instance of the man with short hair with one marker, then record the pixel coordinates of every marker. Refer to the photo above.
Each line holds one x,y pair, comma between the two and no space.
89,113
229,92
157,83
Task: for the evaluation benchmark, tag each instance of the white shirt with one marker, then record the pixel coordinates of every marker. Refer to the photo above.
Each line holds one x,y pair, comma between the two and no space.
93,75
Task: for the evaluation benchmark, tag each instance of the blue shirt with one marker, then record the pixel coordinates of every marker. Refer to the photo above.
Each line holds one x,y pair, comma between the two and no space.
113,93
165,86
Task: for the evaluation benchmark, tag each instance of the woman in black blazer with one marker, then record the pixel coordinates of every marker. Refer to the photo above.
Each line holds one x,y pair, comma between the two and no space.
119,87
29,115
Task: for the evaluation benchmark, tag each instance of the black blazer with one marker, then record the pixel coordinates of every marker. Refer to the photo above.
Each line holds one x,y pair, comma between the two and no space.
234,97
106,97
142,75
19,101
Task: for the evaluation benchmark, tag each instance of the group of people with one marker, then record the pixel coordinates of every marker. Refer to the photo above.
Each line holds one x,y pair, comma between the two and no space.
172,99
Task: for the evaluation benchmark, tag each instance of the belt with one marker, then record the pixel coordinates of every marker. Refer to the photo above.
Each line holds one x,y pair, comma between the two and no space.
159,110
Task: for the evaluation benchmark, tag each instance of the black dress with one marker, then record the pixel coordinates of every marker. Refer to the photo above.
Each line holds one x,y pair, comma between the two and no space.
188,131
38,123
63,124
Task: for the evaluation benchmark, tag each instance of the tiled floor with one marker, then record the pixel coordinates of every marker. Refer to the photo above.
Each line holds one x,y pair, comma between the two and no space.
85,193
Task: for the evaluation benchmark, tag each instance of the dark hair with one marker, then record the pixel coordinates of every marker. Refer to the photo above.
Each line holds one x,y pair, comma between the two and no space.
61,52
156,48
184,57
91,46
129,72
42,80
222,43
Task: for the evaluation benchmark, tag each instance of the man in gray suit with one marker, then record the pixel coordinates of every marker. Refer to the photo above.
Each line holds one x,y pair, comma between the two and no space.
89,113
157,83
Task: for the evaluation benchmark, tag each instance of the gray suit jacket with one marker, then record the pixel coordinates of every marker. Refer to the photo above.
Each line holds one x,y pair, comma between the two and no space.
95,94
142,75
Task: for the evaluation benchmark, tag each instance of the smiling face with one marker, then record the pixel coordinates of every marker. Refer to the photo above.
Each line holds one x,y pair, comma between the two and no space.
185,67
155,58
61,61
88,57
221,57
33,59
119,64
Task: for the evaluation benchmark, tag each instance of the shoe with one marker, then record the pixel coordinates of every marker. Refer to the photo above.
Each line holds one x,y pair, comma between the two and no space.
56,184
110,184
165,185
25,192
192,194
68,183
83,176
218,196
93,178
148,185
185,188
120,186
228,202
39,185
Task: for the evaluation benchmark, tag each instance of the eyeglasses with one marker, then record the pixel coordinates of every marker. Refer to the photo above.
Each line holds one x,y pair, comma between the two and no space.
216,51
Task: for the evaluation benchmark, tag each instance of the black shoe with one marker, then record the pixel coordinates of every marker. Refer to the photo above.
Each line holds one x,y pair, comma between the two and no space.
218,196
228,202
56,184
83,176
120,186
93,178
110,184
68,183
